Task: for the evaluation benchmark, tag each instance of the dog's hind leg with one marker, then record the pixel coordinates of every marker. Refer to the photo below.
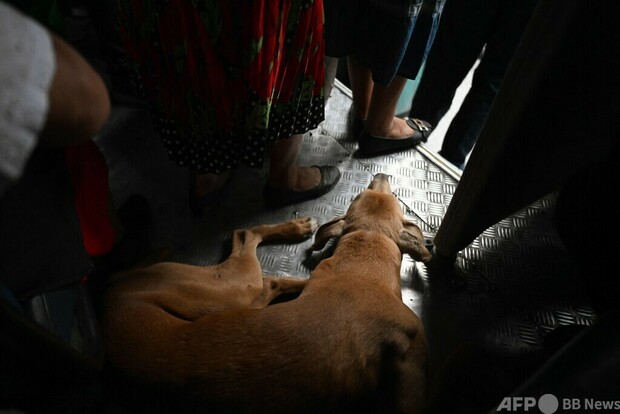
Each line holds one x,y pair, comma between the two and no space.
241,274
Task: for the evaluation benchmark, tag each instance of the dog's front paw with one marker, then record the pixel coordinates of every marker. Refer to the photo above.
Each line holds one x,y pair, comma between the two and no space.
303,227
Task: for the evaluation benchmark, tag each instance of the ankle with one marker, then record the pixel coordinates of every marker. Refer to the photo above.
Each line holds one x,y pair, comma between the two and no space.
379,129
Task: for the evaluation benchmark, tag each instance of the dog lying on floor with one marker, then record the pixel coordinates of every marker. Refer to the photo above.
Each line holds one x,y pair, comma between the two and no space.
347,343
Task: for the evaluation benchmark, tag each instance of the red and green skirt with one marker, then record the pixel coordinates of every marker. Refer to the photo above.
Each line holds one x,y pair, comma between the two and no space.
226,78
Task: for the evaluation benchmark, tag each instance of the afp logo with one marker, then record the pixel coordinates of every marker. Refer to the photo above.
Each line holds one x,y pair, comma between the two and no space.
547,404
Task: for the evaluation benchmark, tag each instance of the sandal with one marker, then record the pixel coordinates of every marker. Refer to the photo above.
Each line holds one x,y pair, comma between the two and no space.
278,197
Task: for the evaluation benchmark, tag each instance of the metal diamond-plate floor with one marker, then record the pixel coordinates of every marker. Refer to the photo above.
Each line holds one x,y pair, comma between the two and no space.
520,284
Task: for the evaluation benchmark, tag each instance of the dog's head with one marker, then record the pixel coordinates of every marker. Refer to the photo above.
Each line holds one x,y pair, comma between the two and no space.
376,209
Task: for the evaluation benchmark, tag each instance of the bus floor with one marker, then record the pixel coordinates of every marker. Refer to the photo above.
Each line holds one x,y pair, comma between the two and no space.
522,291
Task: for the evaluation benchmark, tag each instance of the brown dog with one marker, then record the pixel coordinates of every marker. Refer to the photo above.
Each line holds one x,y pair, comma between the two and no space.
346,344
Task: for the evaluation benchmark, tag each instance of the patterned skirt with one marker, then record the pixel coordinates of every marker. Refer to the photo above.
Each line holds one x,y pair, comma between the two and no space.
226,78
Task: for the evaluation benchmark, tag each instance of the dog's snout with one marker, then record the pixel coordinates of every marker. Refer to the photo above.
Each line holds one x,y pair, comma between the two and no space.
381,183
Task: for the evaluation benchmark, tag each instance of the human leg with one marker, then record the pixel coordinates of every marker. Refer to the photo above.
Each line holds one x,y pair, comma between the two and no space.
466,125
464,129
283,169
382,131
360,78
289,183
381,120
460,38
331,68
502,40
377,103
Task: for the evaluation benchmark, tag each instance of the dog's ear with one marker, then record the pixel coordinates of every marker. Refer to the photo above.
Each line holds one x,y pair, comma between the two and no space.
327,231
411,241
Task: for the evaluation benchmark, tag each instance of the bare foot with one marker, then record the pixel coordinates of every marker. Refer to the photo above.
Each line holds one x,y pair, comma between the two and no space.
307,178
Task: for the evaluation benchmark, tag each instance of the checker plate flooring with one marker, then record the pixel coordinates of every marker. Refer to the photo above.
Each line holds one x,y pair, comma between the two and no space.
520,283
